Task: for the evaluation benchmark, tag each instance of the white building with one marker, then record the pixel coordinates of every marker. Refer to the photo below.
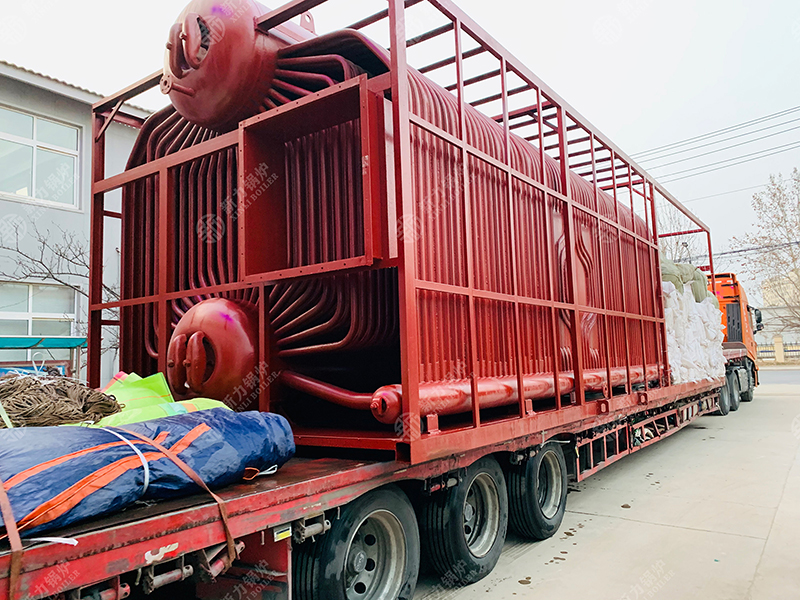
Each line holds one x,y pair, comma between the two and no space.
45,191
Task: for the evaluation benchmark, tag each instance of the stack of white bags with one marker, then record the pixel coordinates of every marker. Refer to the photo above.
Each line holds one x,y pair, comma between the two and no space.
694,335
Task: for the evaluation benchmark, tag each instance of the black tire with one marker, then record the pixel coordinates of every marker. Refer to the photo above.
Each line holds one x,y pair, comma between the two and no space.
724,399
464,544
747,395
733,388
537,493
380,522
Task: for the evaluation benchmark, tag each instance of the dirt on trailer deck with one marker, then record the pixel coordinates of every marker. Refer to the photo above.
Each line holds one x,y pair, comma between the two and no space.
713,512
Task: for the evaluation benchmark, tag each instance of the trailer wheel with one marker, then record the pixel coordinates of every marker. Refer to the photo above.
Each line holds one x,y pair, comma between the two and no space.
724,406
537,491
370,553
747,395
734,390
463,529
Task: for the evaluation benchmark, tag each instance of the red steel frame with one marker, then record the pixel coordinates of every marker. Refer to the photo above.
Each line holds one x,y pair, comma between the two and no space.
623,175
304,488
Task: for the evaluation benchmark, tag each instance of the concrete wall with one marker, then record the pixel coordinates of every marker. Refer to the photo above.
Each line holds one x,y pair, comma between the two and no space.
50,217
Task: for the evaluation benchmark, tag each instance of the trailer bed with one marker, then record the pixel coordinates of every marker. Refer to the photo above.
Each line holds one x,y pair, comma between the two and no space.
304,487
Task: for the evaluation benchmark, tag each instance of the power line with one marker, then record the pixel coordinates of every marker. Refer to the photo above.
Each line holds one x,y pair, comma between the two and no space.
793,145
752,187
714,143
674,162
726,193
742,251
717,132
758,249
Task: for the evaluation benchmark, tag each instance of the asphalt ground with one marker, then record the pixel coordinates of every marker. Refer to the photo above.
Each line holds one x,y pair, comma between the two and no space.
711,512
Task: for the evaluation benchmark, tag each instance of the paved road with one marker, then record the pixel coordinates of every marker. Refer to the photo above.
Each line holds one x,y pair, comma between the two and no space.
712,512
778,375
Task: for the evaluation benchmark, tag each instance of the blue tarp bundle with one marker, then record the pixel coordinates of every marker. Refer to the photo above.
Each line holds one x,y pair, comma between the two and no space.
55,476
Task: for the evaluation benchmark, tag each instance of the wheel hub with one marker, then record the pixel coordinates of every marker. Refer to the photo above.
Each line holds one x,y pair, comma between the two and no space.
376,558
469,512
481,515
358,561
549,485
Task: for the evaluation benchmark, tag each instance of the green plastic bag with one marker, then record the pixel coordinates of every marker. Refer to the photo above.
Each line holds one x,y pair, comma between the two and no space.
134,392
156,411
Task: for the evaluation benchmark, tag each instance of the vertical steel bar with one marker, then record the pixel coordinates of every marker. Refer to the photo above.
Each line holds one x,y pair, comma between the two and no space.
572,265
407,276
469,229
622,287
550,253
711,259
639,281
603,301
166,243
512,241
96,255
661,325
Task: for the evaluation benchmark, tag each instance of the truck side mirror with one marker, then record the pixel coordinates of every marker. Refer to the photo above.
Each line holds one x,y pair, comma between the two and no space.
758,316
759,327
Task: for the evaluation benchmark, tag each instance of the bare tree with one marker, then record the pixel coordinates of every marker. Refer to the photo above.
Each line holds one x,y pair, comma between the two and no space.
772,250
61,257
679,248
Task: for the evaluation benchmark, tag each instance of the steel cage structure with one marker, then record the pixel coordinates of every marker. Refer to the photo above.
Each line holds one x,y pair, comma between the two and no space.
556,131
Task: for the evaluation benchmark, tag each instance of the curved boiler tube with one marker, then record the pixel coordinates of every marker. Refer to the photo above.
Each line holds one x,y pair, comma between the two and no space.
455,396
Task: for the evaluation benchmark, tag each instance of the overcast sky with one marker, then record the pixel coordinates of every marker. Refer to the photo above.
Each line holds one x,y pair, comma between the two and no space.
645,72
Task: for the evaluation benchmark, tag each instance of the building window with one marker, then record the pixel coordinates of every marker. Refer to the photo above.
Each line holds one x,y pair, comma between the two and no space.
36,309
38,158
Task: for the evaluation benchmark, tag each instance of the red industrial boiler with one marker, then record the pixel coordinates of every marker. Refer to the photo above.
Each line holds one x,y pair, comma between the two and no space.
395,263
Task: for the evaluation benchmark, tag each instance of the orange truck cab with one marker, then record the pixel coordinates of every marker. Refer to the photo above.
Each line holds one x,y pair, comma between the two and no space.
740,321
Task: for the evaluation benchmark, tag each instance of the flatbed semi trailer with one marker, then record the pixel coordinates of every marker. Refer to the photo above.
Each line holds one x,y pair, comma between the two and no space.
154,544
451,290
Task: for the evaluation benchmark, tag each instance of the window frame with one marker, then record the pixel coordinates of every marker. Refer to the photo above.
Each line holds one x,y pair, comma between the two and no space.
30,316
35,144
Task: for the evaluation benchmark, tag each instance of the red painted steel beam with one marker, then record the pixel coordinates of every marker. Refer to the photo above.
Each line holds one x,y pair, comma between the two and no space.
378,16
429,35
127,93
171,160
687,232
407,269
474,80
283,13
449,61
94,351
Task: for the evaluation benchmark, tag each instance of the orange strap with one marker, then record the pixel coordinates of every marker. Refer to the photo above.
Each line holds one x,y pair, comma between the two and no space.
16,543
223,511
